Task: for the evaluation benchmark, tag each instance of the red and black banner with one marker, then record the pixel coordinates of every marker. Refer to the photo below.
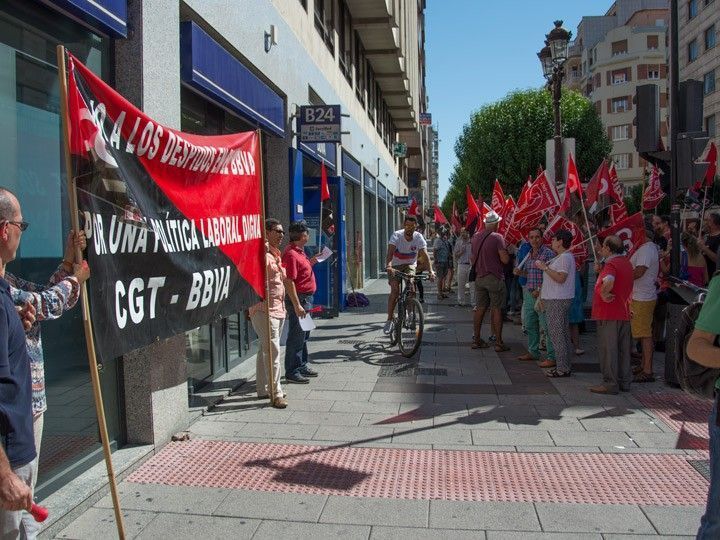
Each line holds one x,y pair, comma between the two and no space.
173,219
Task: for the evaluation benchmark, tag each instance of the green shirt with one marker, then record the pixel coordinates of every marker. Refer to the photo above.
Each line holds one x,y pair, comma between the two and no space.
709,318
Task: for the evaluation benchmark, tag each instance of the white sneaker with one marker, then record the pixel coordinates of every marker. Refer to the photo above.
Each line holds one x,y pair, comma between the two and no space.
388,327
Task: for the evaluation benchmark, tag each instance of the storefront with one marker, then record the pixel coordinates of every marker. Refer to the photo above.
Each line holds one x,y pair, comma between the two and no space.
219,96
352,173
383,236
370,215
31,154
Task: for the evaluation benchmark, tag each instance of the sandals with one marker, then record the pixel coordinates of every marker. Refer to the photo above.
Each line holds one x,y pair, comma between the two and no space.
501,347
555,374
643,377
481,344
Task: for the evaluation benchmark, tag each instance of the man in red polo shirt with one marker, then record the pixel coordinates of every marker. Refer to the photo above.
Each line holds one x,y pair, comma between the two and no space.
301,282
611,310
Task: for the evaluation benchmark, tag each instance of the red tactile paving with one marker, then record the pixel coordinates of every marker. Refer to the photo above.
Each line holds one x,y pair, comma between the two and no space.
665,480
683,413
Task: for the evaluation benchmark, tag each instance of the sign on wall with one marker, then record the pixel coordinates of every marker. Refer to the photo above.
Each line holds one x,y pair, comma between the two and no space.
319,123
399,149
425,119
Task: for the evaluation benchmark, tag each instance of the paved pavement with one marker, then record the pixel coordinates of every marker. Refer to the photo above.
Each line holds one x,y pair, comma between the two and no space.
457,442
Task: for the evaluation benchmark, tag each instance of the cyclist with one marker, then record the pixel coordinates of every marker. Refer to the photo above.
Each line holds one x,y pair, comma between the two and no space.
405,247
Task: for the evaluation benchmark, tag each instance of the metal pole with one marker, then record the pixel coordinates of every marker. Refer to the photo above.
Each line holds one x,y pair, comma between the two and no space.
674,130
557,93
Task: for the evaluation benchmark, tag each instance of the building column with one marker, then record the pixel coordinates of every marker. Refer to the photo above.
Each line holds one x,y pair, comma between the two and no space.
147,73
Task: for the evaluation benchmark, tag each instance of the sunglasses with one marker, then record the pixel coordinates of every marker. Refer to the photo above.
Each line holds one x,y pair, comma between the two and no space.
22,225
279,231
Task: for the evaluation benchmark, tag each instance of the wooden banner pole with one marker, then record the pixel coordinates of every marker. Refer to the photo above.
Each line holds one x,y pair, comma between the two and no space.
87,321
587,224
702,214
268,325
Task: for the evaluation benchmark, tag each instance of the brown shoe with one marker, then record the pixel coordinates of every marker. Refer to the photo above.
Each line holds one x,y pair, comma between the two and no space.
602,389
280,403
547,364
527,358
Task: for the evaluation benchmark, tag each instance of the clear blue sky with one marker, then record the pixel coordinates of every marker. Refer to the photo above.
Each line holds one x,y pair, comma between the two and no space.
479,50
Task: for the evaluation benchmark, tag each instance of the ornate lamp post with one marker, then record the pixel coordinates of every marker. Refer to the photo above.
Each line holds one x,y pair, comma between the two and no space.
552,58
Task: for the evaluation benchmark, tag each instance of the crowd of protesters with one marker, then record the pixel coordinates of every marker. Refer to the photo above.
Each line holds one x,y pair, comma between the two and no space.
539,283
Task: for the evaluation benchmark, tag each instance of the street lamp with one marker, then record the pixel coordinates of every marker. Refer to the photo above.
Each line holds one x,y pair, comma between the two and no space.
552,58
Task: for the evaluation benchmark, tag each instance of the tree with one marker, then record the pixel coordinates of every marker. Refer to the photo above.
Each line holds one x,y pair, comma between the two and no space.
506,140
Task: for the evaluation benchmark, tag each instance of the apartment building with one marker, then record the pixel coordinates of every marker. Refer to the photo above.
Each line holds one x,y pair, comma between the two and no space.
208,68
618,51
699,55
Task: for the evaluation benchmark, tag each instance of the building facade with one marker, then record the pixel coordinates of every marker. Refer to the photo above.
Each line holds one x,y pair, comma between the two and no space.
618,51
207,68
699,56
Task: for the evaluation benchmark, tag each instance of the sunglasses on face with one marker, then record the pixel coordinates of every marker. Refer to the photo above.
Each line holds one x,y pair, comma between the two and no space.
22,225
279,231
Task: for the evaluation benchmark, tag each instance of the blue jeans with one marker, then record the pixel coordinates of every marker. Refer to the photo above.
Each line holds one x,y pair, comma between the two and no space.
296,353
710,522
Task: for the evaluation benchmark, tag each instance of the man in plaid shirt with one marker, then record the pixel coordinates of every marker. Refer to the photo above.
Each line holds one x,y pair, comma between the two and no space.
531,280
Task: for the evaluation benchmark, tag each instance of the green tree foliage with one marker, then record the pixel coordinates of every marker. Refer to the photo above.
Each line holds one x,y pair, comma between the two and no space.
506,140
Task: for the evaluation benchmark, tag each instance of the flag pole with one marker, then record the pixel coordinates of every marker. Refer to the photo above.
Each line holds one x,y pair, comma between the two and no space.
268,325
702,214
587,224
87,321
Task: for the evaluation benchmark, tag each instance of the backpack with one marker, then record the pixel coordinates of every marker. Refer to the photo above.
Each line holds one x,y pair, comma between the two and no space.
356,299
694,378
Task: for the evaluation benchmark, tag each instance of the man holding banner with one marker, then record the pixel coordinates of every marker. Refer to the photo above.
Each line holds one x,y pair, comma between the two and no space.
18,465
267,366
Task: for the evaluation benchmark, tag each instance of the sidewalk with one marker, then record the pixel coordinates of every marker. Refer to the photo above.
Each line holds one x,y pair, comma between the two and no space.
455,442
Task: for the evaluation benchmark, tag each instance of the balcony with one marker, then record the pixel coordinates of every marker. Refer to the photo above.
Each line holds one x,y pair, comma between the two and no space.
380,34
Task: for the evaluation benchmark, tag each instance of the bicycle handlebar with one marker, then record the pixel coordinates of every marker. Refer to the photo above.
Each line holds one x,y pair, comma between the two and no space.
694,288
407,276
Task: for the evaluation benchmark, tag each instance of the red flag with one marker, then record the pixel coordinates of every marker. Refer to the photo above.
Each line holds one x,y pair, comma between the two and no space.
472,207
506,214
578,247
439,216
455,219
631,231
712,157
413,208
498,198
598,194
538,199
618,210
324,189
572,199
653,194
83,131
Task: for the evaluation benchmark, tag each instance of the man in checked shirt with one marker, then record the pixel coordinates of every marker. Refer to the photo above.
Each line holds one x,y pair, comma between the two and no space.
531,280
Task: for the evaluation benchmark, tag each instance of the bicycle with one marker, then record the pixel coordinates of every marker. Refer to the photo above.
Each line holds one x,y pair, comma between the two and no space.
407,330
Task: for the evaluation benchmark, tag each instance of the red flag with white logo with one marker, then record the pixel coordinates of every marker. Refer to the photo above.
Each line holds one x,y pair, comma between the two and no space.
653,194
598,195
541,197
578,246
631,231
498,198
572,199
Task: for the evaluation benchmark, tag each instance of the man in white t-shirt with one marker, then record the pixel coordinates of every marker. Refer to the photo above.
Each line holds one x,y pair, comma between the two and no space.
646,265
404,248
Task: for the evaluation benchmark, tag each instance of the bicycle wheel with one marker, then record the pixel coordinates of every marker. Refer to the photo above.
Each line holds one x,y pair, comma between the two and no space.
411,327
394,333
